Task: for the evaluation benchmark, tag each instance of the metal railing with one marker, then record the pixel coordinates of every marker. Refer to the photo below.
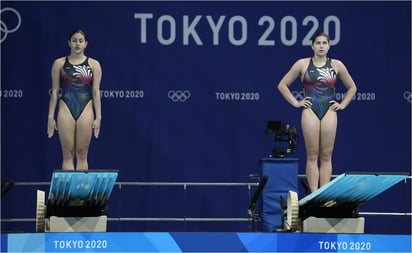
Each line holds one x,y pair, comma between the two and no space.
185,186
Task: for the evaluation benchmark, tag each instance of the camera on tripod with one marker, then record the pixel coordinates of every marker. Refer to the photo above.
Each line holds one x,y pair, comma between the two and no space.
282,133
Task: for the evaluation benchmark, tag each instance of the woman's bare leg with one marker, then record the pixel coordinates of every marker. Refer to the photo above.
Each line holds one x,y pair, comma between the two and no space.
327,140
66,131
84,129
311,133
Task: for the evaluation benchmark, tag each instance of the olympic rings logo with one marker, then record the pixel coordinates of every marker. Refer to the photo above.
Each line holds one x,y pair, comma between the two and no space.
59,95
178,95
5,30
299,95
407,96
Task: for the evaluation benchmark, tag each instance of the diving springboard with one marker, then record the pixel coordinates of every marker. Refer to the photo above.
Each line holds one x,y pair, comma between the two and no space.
342,195
74,190
77,201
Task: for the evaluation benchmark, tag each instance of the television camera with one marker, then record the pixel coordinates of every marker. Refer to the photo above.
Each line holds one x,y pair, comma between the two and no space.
282,133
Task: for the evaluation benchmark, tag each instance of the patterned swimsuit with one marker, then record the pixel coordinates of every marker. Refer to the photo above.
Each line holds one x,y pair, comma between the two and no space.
76,82
319,84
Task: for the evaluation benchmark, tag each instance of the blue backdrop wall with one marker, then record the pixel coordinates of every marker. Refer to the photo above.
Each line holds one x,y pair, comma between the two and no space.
186,92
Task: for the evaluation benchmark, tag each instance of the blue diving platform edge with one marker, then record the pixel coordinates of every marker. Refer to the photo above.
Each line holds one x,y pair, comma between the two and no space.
176,242
346,192
84,191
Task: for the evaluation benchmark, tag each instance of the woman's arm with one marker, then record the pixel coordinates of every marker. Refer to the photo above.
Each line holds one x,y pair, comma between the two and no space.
55,78
97,77
347,80
288,79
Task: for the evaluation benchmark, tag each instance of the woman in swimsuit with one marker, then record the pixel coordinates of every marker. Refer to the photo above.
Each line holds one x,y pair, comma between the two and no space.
319,120
77,77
